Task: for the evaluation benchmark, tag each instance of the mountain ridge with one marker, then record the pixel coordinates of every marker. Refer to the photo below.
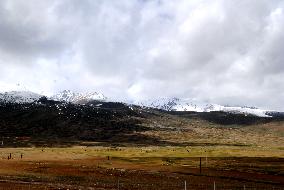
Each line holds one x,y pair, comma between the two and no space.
176,104
166,104
19,97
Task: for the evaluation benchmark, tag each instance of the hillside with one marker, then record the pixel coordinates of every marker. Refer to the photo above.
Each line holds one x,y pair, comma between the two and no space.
51,122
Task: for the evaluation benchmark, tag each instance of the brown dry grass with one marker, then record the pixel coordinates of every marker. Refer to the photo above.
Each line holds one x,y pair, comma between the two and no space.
63,169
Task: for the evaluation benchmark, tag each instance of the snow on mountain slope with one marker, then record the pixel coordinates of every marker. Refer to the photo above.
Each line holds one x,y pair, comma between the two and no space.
175,104
162,103
245,110
19,97
168,104
65,96
75,97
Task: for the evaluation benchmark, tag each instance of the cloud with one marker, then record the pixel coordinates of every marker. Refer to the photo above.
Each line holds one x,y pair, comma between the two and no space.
227,52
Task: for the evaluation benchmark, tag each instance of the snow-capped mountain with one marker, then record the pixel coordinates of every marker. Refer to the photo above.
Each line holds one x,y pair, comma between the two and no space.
176,104
168,104
78,98
19,97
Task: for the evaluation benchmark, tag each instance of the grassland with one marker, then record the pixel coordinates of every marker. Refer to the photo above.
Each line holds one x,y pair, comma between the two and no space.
143,167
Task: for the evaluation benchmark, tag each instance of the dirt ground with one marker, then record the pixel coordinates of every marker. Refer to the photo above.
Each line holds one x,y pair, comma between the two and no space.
85,168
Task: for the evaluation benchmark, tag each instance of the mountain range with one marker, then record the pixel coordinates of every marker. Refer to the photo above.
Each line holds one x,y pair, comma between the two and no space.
166,104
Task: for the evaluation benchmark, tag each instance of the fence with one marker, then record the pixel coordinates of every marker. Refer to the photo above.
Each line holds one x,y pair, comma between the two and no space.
128,185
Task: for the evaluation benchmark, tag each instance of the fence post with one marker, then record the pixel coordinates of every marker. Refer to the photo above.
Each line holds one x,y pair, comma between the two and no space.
244,187
214,186
200,165
184,184
117,184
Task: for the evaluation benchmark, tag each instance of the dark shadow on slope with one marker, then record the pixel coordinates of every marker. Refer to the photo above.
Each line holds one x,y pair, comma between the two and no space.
53,123
226,118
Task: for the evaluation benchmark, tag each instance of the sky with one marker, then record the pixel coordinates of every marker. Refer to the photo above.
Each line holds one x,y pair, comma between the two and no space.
218,51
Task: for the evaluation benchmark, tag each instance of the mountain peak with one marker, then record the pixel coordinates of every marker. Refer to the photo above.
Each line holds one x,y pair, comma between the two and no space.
76,97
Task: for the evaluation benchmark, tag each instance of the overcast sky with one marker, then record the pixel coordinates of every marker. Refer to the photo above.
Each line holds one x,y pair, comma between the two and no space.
219,51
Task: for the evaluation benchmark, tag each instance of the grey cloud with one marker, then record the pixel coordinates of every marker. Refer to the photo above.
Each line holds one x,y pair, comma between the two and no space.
31,30
227,52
